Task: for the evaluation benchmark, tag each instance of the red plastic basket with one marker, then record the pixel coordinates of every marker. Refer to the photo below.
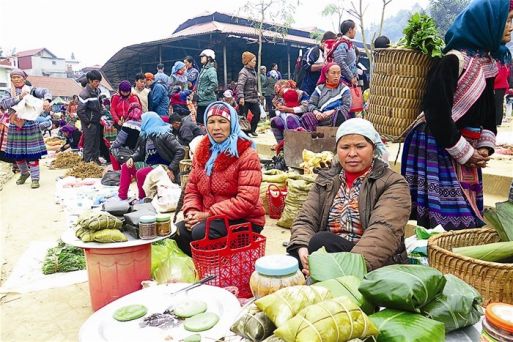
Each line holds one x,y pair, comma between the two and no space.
231,258
276,199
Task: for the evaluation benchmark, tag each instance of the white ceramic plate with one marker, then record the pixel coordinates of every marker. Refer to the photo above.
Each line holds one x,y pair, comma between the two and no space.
101,327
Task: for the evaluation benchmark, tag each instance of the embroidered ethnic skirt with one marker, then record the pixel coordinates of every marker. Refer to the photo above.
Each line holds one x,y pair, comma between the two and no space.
25,143
442,191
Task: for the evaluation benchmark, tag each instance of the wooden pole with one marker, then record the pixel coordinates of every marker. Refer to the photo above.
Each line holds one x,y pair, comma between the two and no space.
225,70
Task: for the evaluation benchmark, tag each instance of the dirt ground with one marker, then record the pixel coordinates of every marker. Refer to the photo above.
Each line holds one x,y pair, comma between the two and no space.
54,314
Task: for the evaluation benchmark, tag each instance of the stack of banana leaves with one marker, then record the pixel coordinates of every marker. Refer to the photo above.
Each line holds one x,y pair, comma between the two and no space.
501,219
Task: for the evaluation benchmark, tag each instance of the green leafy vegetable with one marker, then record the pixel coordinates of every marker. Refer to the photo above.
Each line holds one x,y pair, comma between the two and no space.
421,34
325,266
63,258
402,326
457,307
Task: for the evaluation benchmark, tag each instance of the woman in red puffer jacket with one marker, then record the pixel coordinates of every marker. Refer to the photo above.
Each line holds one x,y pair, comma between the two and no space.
121,103
225,180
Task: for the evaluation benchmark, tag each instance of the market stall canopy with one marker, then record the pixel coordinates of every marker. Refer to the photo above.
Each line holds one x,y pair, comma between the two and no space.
227,35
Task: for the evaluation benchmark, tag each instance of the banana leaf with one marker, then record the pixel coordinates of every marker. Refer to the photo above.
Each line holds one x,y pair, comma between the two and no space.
284,304
348,286
401,326
492,252
325,266
402,287
273,338
492,220
254,325
333,320
457,307
505,215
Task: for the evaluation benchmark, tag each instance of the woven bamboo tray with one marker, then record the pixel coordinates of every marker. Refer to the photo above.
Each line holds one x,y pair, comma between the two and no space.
396,90
493,280
185,167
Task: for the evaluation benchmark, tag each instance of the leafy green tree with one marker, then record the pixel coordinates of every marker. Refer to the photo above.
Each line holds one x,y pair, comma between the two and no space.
335,9
260,13
445,11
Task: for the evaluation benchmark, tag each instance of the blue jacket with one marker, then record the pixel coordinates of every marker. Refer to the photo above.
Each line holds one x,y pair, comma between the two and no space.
158,100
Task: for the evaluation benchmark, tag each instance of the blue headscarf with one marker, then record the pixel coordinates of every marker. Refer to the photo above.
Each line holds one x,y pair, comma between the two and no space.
152,125
479,29
177,66
229,146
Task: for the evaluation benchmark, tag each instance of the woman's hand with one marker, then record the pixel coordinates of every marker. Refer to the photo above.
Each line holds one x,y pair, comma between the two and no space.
23,94
477,160
303,256
171,175
241,101
47,106
130,163
194,217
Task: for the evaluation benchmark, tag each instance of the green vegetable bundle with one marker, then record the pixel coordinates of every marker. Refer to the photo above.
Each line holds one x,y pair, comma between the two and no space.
284,304
402,287
400,326
421,34
325,266
333,320
63,258
348,287
457,307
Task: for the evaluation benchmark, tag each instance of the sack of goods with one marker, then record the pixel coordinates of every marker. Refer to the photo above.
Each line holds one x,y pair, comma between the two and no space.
297,193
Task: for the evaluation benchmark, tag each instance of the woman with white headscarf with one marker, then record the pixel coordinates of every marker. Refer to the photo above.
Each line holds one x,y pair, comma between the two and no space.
359,205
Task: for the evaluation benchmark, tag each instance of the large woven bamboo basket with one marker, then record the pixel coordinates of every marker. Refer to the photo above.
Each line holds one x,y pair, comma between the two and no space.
493,280
185,168
396,90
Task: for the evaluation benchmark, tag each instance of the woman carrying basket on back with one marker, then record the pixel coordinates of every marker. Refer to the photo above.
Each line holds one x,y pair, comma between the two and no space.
225,180
443,155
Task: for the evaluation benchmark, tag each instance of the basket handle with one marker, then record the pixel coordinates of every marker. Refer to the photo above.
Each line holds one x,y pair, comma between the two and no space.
231,233
272,185
213,218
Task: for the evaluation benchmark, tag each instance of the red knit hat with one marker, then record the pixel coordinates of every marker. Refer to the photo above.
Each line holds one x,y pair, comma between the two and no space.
510,5
219,109
290,98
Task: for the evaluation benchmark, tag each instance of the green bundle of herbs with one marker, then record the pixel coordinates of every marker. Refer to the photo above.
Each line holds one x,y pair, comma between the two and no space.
421,34
63,258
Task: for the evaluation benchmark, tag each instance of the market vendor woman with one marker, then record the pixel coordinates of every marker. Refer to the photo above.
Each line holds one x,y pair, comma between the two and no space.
359,205
25,144
444,154
225,179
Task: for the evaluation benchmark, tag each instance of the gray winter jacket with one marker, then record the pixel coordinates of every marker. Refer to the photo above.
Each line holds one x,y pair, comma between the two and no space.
247,87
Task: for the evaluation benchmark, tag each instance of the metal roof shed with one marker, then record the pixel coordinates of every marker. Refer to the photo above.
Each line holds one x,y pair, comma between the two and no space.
227,35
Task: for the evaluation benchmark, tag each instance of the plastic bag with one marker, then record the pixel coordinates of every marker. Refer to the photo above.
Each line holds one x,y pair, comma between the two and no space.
170,265
29,108
164,192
